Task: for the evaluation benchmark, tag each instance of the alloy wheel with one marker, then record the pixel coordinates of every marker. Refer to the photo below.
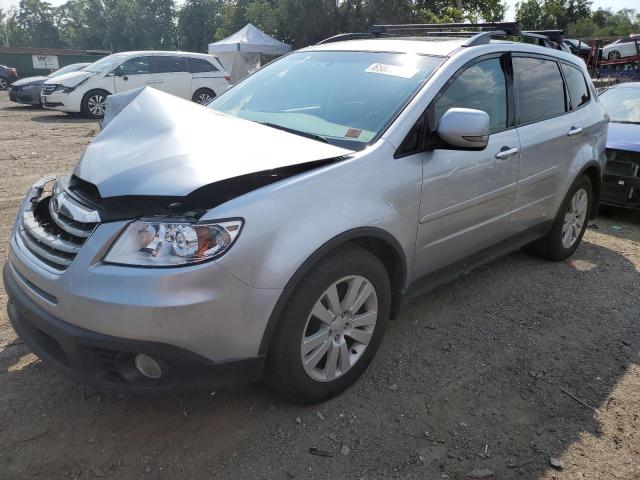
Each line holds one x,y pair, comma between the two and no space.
97,104
575,218
614,55
3,84
204,98
339,328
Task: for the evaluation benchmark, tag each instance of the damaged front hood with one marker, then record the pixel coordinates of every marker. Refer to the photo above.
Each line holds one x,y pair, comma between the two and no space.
70,79
624,136
157,144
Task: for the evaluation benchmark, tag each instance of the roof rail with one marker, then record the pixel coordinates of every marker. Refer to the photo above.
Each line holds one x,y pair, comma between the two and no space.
484,38
346,36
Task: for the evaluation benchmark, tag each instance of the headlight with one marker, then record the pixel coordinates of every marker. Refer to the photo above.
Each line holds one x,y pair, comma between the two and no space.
64,89
163,244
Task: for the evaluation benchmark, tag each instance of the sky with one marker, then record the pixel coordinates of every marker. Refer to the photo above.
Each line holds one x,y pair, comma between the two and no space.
613,4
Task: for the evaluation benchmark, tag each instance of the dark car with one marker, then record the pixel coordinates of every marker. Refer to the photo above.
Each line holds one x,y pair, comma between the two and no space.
27,90
577,47
8,75
622,175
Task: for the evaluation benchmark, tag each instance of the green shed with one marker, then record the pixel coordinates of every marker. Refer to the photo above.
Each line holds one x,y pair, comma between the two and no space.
31,62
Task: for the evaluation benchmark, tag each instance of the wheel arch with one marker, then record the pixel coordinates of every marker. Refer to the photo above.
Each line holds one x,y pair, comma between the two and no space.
96,90
377,241
594,172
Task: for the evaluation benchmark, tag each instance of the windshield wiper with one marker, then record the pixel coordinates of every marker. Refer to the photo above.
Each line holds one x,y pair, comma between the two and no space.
296,132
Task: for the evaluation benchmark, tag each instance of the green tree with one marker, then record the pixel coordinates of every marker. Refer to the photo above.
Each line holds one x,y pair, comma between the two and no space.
198,21
604,23
35,25
551,14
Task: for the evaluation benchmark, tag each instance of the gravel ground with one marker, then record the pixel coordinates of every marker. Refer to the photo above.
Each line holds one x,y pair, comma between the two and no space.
475,375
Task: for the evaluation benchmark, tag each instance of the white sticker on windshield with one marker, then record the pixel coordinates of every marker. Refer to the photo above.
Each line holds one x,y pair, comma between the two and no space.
393,70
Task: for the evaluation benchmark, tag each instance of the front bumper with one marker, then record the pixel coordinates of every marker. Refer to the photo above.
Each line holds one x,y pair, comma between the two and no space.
60,101
621,182
106,362
24,97
201,312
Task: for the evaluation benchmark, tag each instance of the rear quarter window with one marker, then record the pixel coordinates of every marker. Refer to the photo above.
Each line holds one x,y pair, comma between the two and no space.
577,85
540,89
198,65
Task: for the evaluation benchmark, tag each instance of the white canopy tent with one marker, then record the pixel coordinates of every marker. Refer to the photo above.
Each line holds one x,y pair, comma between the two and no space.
240,52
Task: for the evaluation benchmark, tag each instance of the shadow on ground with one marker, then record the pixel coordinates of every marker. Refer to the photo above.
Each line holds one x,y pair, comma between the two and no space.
469,376
22,108
62,118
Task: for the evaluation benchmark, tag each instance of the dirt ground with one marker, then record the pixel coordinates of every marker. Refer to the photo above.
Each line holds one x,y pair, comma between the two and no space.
475,375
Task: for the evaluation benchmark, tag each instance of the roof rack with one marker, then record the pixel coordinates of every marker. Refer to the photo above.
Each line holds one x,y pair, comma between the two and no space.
510,28
478,33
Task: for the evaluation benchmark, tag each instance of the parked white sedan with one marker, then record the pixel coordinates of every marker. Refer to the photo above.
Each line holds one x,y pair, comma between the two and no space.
193,76
622,48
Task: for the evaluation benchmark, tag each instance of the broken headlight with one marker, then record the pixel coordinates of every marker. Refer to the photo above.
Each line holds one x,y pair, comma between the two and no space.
152,243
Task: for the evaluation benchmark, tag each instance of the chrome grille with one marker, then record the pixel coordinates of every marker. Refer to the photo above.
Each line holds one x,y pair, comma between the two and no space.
48,89
56,226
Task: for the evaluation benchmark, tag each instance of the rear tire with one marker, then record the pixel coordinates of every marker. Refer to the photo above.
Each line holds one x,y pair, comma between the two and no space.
352,272
4,84
94,104
570,223
203,96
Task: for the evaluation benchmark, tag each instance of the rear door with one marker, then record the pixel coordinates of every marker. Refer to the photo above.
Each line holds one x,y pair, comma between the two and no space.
467,195
171,74
134,73
207,74
550,136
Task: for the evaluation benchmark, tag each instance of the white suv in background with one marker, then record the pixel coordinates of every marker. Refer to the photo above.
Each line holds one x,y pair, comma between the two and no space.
194,76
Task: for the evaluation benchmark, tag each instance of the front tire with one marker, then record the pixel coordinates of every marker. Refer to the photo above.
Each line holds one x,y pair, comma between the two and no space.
94,104
3,84
331,326
614,55
570,223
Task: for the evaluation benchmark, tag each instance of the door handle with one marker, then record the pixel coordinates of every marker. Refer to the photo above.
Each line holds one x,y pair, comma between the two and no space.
159,81
574,131
506,153
150,82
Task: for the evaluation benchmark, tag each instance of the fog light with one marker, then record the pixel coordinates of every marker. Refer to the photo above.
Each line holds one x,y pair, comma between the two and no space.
147,366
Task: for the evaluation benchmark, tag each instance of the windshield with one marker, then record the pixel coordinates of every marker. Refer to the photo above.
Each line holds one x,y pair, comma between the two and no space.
344,98
106,64
67,69
622,104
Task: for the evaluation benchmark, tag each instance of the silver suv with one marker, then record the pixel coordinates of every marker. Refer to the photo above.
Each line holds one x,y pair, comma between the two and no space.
273,234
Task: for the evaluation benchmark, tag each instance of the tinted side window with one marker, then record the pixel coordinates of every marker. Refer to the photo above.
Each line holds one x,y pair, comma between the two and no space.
540,88
168,64
135,66
199,65
578,90
482,87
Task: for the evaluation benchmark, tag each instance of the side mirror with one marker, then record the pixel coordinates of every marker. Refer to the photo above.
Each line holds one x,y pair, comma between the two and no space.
465,128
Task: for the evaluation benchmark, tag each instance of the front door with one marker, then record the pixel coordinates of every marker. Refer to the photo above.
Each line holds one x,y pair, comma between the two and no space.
134,73
467,195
